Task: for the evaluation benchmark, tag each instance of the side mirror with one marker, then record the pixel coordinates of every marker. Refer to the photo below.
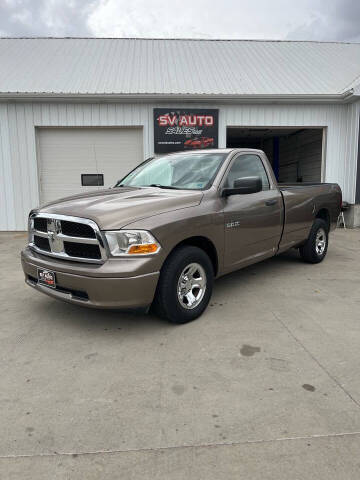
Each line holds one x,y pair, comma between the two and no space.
244,186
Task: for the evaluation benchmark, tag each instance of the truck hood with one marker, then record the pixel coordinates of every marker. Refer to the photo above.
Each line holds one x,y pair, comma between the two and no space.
114,208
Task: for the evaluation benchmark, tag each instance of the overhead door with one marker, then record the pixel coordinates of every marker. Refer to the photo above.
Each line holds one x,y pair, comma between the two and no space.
75,160
296,154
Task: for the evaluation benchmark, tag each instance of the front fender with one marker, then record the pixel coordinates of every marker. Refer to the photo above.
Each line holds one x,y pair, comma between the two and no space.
172,228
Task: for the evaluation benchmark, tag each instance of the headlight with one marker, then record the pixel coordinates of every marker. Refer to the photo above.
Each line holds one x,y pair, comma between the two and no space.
131,242
30,228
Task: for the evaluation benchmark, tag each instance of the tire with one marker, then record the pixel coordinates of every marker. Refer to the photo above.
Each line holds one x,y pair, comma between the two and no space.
170,302
315,248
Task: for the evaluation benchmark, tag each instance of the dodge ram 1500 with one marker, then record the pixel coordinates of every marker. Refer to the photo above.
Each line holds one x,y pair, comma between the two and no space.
164,232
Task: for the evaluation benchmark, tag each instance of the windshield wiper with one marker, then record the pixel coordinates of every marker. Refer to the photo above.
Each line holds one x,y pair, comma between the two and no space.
158,185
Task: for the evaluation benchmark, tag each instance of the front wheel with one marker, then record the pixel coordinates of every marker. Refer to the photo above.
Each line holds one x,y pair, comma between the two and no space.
315,248
185,285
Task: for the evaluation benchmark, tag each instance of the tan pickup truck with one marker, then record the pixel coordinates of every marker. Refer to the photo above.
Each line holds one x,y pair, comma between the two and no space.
164,232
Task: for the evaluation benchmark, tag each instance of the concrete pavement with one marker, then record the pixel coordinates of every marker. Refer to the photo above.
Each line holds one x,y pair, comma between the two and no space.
264,385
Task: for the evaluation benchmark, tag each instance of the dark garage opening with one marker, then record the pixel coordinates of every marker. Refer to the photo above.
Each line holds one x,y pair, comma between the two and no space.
294,153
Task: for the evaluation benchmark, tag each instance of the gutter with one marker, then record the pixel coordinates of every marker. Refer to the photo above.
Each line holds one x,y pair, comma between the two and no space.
183,97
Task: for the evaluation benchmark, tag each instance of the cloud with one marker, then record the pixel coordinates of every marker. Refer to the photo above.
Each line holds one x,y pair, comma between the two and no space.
157,18
195,19
332,21
279,19
46,17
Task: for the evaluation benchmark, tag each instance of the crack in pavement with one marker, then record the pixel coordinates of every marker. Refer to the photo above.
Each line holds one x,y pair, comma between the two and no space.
334,379
174,447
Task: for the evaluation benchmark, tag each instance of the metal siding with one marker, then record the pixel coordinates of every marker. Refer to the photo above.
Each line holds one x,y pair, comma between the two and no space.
176,66
357,187
19,182
300,155
16,133
352,149
7,182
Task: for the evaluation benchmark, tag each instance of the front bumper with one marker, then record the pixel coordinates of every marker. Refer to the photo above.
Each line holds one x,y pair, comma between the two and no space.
82,288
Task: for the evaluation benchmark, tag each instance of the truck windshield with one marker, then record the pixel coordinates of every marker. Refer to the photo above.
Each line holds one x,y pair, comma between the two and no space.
191,171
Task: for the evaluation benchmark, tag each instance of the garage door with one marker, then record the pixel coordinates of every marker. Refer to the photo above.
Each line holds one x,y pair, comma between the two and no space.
75,160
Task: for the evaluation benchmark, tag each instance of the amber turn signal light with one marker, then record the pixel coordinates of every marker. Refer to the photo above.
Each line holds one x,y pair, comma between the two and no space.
145,248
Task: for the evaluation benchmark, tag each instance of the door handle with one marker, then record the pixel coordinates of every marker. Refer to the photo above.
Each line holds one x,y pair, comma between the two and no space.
268,203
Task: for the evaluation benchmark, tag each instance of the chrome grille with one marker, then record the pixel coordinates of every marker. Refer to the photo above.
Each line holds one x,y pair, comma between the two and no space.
42,243
40,224
70,238
75,229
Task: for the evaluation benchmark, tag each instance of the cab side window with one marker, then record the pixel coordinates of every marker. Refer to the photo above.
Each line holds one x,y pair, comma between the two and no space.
248,165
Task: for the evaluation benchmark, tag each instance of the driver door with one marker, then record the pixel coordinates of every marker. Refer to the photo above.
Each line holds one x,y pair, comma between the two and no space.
253,222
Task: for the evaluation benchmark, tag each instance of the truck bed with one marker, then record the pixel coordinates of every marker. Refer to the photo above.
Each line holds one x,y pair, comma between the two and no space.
302,201
302,184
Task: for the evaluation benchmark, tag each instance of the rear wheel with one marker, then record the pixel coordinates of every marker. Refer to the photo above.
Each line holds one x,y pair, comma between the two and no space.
185,285
315,248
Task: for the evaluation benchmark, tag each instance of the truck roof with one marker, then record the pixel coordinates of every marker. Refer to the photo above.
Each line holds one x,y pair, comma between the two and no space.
218,150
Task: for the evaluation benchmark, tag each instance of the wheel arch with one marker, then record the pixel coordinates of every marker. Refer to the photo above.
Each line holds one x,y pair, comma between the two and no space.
205,244
324,214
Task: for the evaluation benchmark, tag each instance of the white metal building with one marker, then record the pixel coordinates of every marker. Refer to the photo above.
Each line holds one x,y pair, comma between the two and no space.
75,107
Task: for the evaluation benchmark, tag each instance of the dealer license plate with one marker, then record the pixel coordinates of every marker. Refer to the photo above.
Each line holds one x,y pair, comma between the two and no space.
46,277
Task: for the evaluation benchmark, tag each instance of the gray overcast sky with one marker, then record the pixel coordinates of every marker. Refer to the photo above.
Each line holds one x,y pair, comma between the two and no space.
332,20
